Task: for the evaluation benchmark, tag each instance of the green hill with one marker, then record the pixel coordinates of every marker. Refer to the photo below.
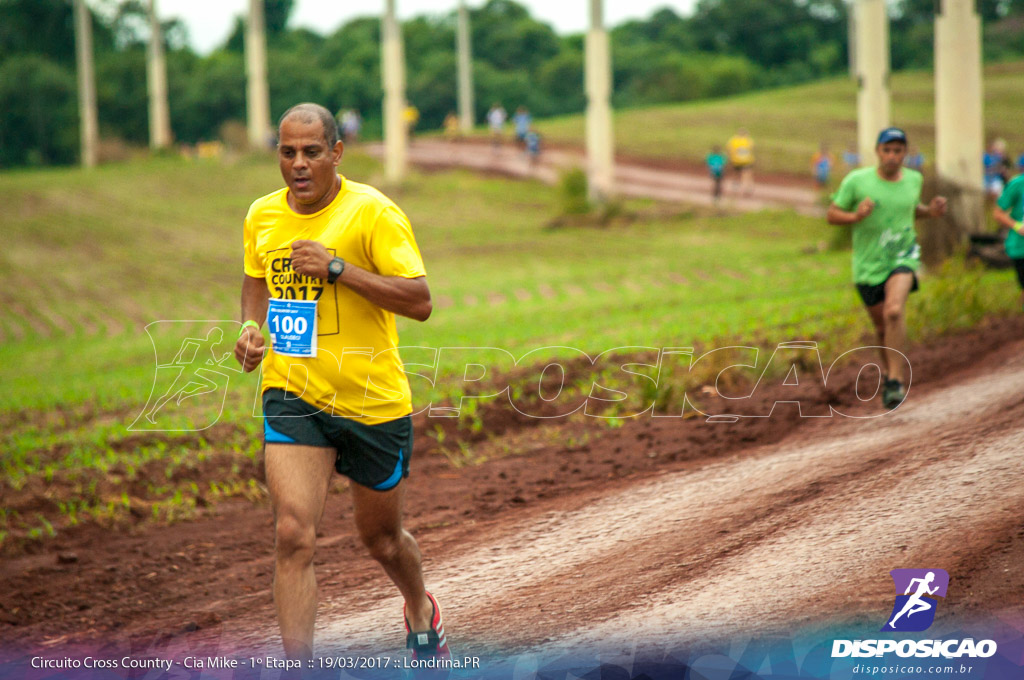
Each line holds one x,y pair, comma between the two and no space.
788,124
106,271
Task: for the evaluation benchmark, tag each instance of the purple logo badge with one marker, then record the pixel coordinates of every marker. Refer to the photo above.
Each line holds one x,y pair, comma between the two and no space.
916,593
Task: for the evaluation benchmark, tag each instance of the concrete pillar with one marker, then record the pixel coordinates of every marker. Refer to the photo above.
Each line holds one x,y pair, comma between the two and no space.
598,81
257,90
396,134
464,49
88,115
959,132
156,80
872,51
851,41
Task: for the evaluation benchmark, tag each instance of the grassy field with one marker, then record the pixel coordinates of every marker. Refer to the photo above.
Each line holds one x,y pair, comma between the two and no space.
92,258
788,124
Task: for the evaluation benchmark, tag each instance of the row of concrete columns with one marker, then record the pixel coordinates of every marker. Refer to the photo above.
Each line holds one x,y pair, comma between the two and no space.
598,88
396,133
599,134
597,77
257,90
156,81
959,122
958,117
464,52
160,136
88,116
959,125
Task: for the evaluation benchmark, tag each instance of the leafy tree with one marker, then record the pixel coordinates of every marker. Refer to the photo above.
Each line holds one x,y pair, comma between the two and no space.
275,18
561,79
916,11
914,22
431,87
509,39
664,27
350,60
291,81
45,28
508,88
276,14
778,35
121,95
40,117
214,93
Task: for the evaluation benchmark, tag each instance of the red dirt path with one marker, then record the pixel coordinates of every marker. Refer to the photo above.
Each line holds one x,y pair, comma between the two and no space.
658,515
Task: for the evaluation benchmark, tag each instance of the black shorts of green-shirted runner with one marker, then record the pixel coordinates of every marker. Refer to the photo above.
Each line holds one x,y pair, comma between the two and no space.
874,294
375,456
1018,264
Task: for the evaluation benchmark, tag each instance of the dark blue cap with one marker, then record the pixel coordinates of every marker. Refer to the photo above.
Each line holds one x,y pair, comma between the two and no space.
892,134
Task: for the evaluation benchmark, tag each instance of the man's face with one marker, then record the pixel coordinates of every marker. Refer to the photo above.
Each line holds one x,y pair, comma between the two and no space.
890,156
308,166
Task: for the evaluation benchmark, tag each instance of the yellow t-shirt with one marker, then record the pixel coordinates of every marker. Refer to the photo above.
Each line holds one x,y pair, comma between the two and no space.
357,372
741,150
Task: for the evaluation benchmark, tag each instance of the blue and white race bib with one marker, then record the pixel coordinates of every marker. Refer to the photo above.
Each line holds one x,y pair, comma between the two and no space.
292,325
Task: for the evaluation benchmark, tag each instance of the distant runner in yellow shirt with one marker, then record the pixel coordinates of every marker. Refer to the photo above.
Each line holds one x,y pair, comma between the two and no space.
328,264
740,148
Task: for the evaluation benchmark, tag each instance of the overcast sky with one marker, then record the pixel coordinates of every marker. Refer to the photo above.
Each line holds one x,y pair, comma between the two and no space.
210,21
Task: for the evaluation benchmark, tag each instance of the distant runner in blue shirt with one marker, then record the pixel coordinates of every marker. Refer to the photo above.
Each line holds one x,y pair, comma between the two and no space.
522,121
716,162
532,140
994,162
851,158
914,159
821,166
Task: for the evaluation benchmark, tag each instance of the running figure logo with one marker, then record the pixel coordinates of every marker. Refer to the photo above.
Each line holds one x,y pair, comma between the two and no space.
914,609
199,371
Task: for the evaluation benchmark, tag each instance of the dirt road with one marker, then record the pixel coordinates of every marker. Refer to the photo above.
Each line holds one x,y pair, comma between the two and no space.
778,536
633,178
664,529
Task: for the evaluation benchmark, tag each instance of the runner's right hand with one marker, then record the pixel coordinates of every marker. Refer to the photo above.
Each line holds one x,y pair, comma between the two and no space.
865,208
250,348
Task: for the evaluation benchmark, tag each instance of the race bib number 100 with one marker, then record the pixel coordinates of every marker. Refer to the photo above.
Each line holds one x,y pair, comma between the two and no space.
292,325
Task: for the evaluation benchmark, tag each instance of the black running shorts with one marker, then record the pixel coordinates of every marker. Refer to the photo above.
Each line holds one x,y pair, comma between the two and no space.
376,456
1019,265
875,294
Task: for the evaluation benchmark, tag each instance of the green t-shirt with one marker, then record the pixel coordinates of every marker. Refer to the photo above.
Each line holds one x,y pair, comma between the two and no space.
885,239
1012,201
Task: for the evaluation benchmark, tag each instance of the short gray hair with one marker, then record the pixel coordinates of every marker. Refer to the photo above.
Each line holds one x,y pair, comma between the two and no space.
308,112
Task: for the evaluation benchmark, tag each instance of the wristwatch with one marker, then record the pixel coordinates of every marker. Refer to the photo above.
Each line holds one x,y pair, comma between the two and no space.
334,269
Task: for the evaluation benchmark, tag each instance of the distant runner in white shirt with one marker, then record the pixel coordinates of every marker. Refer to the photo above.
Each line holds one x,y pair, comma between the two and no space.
496,118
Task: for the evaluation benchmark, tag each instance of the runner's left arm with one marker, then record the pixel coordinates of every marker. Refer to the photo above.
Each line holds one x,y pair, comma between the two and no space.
1003,219
406,296
935,208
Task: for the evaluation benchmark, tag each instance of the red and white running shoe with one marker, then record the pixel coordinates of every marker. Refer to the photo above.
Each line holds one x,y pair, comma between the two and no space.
429,643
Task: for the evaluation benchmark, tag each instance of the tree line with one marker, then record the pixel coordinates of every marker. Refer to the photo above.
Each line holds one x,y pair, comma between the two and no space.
725,47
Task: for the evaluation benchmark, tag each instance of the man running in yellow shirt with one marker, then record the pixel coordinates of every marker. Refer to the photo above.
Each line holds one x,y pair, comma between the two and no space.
741,157
328,264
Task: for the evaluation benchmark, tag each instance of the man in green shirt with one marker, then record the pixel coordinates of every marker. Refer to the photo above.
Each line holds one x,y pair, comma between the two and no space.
880,204
1009,212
